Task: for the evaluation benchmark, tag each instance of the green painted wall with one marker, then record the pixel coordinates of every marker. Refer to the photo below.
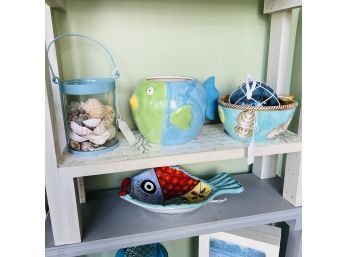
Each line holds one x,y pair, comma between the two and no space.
296,74
196,38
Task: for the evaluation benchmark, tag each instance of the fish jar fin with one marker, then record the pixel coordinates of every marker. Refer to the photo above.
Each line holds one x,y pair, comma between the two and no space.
182,117
212,98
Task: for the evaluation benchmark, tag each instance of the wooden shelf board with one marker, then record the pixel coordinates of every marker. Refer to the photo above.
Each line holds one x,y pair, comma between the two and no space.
212,144
111,223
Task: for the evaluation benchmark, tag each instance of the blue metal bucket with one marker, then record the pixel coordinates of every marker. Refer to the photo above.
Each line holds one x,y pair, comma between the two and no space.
89,109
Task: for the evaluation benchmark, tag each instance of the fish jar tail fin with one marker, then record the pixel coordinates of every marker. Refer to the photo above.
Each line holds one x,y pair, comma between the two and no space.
224,183
212,98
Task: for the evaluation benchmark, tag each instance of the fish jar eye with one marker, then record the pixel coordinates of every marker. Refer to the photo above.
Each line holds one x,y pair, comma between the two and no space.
148,187
150,91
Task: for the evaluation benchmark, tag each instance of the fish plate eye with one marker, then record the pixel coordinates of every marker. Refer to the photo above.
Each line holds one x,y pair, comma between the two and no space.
148,187
150,91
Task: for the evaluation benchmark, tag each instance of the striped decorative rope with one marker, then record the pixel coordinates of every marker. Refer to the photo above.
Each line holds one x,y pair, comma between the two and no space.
290,105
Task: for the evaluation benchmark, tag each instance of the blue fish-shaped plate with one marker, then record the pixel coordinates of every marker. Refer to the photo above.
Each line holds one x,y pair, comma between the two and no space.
172,190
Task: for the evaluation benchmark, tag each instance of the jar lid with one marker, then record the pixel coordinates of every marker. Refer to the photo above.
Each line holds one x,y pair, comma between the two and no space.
87,86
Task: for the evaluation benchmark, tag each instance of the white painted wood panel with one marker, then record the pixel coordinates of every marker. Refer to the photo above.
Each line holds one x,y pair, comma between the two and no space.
52,55
292,189
57,117
294,243
266,167
81,189
61,195
212,144
280,5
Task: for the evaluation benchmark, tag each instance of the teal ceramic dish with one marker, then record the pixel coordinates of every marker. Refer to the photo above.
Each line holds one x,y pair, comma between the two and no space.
260,123
172,190
150,250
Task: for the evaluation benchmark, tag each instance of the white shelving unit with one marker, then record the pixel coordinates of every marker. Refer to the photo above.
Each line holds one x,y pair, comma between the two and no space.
74,229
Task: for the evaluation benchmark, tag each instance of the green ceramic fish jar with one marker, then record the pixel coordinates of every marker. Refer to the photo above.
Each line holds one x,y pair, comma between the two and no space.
172,110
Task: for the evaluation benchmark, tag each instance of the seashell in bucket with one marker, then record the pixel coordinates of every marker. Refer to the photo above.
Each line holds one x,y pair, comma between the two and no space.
74,106
75,145
82,131
245,124
109,116
112,131
87,146
100,129
92,123
79,119
76,137
98,139
94,108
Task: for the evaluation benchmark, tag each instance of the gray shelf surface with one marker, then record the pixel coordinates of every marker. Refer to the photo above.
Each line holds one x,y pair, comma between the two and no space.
110,223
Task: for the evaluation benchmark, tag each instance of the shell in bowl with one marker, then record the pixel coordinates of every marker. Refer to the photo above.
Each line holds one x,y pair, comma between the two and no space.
260,123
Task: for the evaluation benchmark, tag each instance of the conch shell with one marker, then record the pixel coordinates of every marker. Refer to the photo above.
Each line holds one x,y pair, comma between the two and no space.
98,139
246,121
94,108
109,116
76,137
92,123
112,131
82,131
100,129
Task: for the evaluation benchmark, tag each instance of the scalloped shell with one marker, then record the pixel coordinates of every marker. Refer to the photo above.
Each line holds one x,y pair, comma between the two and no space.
82,131
94,108
76,137
92,123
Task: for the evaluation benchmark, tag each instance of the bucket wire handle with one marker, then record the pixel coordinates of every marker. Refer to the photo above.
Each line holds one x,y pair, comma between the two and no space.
55,78
115,72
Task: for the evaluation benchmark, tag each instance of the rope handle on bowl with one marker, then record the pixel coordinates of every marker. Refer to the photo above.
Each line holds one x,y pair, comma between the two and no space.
55,78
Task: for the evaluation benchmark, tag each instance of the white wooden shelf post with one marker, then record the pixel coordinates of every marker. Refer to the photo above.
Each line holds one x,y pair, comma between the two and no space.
292,188
61,194
294,244
55,90
266,166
